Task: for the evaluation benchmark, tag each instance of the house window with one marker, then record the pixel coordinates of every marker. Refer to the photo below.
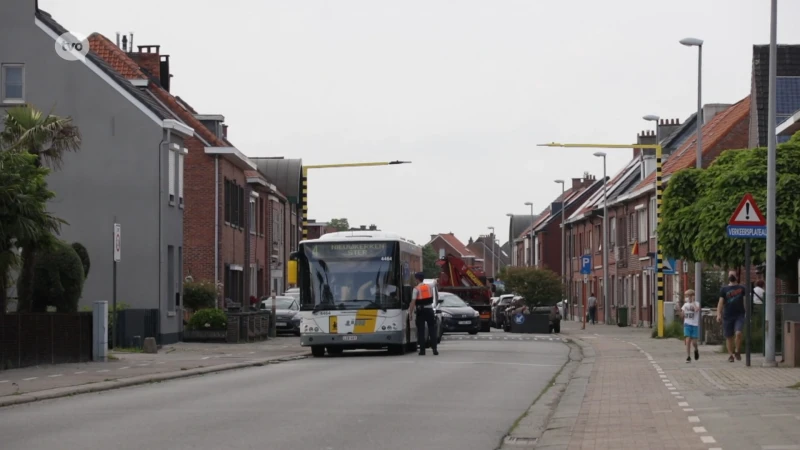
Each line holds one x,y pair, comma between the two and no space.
234,204
181,156
12,77
234,283
612,232
642,216
653,218
171,176
632,228
252,214
253,282
261,216
598,235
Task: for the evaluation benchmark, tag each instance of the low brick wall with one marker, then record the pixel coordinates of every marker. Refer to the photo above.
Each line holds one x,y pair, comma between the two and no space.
31,339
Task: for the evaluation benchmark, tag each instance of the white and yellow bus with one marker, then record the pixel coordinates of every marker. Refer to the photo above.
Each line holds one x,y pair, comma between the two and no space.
355,289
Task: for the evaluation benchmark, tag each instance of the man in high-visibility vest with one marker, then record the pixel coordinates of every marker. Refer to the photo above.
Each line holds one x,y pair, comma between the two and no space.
422,306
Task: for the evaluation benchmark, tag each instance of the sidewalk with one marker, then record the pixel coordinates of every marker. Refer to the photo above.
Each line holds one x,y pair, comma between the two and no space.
631,391
124,369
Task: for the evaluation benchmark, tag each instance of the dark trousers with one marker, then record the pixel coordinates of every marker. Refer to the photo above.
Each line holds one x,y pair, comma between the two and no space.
426,316
593,314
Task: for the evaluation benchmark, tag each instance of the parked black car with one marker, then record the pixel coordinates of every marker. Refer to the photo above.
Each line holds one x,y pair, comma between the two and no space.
498,309
287,313
456,315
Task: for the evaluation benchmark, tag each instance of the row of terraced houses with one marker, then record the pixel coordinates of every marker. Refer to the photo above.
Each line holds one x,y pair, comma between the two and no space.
631,200
189,202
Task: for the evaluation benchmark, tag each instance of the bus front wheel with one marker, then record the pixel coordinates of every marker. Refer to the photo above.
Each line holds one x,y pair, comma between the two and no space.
317,351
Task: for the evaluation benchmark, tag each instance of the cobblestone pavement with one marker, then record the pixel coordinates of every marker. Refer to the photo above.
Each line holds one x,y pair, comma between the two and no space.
641,394
170,358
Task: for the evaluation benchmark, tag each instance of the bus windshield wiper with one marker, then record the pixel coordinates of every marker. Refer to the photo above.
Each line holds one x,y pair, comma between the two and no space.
371,303
324,307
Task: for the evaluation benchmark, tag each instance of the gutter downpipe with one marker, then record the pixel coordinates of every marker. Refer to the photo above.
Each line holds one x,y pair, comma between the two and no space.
160,225
216,226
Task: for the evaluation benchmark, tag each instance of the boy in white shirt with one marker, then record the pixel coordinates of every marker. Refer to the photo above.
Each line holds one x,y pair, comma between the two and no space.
691,324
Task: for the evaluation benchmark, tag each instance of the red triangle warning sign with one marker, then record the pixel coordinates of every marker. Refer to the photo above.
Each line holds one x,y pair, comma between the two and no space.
747,213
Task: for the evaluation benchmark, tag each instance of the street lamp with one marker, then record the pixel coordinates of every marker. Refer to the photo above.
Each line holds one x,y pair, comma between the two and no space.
659,265
511,244
605,237
654,118
531,205
772,174
492,235
304,183
694,42
563,240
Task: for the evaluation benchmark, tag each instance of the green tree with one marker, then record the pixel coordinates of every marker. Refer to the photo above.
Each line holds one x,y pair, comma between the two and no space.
698,203
84,255
539,287
59,278
48,138
429,258
340,224
199,295
23,211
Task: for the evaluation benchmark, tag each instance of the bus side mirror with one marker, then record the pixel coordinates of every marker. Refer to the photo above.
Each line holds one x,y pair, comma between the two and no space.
291,272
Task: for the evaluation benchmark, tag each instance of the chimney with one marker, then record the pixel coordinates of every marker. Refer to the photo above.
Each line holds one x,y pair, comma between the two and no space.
125,43
647,137
712,109
666,127
153,63
433,236
224,131
470,241
373,227
363,227
117,38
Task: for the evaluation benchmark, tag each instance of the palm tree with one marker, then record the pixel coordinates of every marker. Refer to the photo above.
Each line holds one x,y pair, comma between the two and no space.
48,138
23,214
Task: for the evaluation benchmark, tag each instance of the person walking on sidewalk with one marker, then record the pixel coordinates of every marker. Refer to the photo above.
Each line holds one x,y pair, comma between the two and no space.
730,312
690,311
592,308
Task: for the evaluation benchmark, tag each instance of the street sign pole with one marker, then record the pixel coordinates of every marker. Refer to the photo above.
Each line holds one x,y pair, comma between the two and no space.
117,257
748,302
586,269
747,222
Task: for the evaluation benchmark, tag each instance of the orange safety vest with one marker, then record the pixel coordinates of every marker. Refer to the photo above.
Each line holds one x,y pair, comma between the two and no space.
425,295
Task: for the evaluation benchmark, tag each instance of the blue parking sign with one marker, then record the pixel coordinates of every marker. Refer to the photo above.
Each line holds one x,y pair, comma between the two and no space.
586,264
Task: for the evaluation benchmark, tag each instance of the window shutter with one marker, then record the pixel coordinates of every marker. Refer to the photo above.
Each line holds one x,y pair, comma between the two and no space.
171,177
180,176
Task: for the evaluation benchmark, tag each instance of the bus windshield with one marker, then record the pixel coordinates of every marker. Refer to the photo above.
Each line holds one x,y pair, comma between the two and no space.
350,275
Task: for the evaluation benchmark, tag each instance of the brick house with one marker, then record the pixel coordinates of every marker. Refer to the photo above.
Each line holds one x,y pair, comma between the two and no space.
451,245
317,229
518,247
226,200
632,219
546,229
490,252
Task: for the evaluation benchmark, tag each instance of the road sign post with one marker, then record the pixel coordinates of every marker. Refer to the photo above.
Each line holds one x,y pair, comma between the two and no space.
586,269
747,222
117,258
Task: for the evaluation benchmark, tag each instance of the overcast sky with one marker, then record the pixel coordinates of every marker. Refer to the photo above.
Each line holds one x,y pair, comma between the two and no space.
464,89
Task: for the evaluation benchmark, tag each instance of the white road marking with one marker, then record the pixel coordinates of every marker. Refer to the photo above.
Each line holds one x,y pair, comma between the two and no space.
205,357
708,439
3,381
694,419
699,429
126,367
143,364
663,376
675,393
101,371
54,376
29,379
688,409
679,397
78,373
776,415
683,404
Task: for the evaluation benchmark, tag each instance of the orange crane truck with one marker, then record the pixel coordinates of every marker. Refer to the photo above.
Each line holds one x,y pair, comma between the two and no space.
470,284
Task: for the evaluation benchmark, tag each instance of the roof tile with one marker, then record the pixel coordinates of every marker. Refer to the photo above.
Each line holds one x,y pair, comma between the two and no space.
713,132
457,245
115,57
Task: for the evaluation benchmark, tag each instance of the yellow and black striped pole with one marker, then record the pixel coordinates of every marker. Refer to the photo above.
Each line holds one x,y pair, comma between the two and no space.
304,184
659,265
659,256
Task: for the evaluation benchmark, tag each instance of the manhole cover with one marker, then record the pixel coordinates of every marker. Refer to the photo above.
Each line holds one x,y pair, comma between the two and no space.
520,441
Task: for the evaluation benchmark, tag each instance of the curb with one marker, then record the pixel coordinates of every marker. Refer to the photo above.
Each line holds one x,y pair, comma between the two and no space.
534,423
69,391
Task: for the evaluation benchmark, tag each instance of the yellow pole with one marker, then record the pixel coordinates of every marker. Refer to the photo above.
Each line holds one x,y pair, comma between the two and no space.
659,265
304,184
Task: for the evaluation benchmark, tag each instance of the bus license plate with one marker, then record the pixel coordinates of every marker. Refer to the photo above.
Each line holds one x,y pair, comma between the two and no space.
280,324
464,322
349,338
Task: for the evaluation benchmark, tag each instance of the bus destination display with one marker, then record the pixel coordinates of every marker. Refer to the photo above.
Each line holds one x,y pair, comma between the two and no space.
351,250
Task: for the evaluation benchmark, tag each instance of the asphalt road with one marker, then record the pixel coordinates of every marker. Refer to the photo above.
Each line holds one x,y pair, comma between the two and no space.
466,398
